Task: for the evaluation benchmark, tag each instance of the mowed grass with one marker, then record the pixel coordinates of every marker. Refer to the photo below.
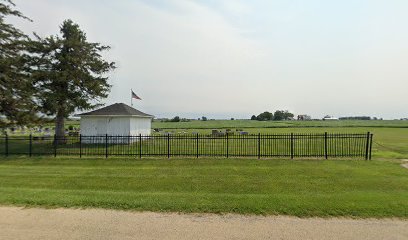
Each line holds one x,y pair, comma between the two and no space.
246,124
389,142
390,136
247,186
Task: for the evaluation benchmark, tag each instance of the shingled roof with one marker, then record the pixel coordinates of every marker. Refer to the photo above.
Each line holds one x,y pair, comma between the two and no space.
117,109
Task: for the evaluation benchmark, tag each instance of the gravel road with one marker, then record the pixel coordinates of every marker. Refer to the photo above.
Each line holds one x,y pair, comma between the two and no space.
37,223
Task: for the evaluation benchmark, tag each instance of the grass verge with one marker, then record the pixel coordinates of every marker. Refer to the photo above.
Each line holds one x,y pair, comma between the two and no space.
301,188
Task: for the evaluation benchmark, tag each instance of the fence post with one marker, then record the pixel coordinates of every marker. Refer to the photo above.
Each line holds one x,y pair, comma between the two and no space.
197,145
31,145
259,145
367,145
226,139
7,149
55,145
325,145
168,145
106,145
291,146
371,146
80,145
140,145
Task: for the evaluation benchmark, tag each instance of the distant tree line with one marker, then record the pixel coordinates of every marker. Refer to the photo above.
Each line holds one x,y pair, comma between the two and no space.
176,119
278,115
52,75
357,118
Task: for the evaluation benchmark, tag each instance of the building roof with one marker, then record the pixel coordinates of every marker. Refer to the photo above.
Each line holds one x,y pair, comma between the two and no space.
117,109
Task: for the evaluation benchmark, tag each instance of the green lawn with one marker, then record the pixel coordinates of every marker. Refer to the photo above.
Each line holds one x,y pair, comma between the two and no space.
247,124
290,187
265,146
390,136
389,142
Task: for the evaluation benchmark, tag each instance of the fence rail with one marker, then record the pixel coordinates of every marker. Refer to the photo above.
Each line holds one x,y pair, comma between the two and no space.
293,145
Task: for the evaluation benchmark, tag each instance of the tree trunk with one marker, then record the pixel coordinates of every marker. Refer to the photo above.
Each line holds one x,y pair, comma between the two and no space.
60,128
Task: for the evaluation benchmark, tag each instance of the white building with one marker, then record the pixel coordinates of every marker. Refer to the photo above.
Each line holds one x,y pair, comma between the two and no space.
118,119
329,118
304,117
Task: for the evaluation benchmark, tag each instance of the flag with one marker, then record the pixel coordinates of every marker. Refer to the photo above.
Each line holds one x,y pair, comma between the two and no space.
135,96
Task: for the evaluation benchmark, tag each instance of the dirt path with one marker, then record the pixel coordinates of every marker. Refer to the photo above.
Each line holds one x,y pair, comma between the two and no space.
33,223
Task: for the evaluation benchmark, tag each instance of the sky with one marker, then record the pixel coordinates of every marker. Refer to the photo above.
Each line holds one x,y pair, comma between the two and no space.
235,58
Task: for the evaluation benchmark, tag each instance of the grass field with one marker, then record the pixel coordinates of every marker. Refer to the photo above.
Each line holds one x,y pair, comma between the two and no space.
353,188
389,142
299,188
390,136
247,124
193,145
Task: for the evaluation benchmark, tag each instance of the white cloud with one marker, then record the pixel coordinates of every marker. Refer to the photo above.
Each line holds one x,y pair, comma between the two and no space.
236,58
236,7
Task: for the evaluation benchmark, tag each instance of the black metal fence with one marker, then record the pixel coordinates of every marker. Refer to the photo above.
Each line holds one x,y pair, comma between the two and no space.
299,145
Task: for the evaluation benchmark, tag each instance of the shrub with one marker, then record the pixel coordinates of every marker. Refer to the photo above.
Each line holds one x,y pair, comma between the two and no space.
175,119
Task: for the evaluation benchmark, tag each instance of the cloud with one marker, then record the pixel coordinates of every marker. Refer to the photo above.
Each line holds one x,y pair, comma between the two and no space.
188,58
234,58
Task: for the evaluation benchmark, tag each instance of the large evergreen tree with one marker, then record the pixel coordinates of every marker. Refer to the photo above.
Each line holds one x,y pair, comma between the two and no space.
70,73
16,90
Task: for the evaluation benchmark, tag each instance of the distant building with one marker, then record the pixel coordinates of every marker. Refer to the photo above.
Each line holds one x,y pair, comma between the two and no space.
329,118
304,117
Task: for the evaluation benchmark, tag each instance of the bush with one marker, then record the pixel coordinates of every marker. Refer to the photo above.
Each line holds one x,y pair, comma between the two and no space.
282,115
265,116
175,119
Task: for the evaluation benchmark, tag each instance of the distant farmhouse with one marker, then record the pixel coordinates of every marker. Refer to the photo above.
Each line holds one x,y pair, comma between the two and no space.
304,117
329,118
118,119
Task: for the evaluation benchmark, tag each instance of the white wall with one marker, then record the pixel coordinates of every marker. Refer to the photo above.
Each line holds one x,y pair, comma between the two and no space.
140,126
99,126
88,126
118,126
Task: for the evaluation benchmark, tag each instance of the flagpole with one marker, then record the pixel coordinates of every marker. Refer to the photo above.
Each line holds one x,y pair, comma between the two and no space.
131,97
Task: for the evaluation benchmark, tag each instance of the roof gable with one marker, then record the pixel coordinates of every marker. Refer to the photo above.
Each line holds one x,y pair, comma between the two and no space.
117,109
